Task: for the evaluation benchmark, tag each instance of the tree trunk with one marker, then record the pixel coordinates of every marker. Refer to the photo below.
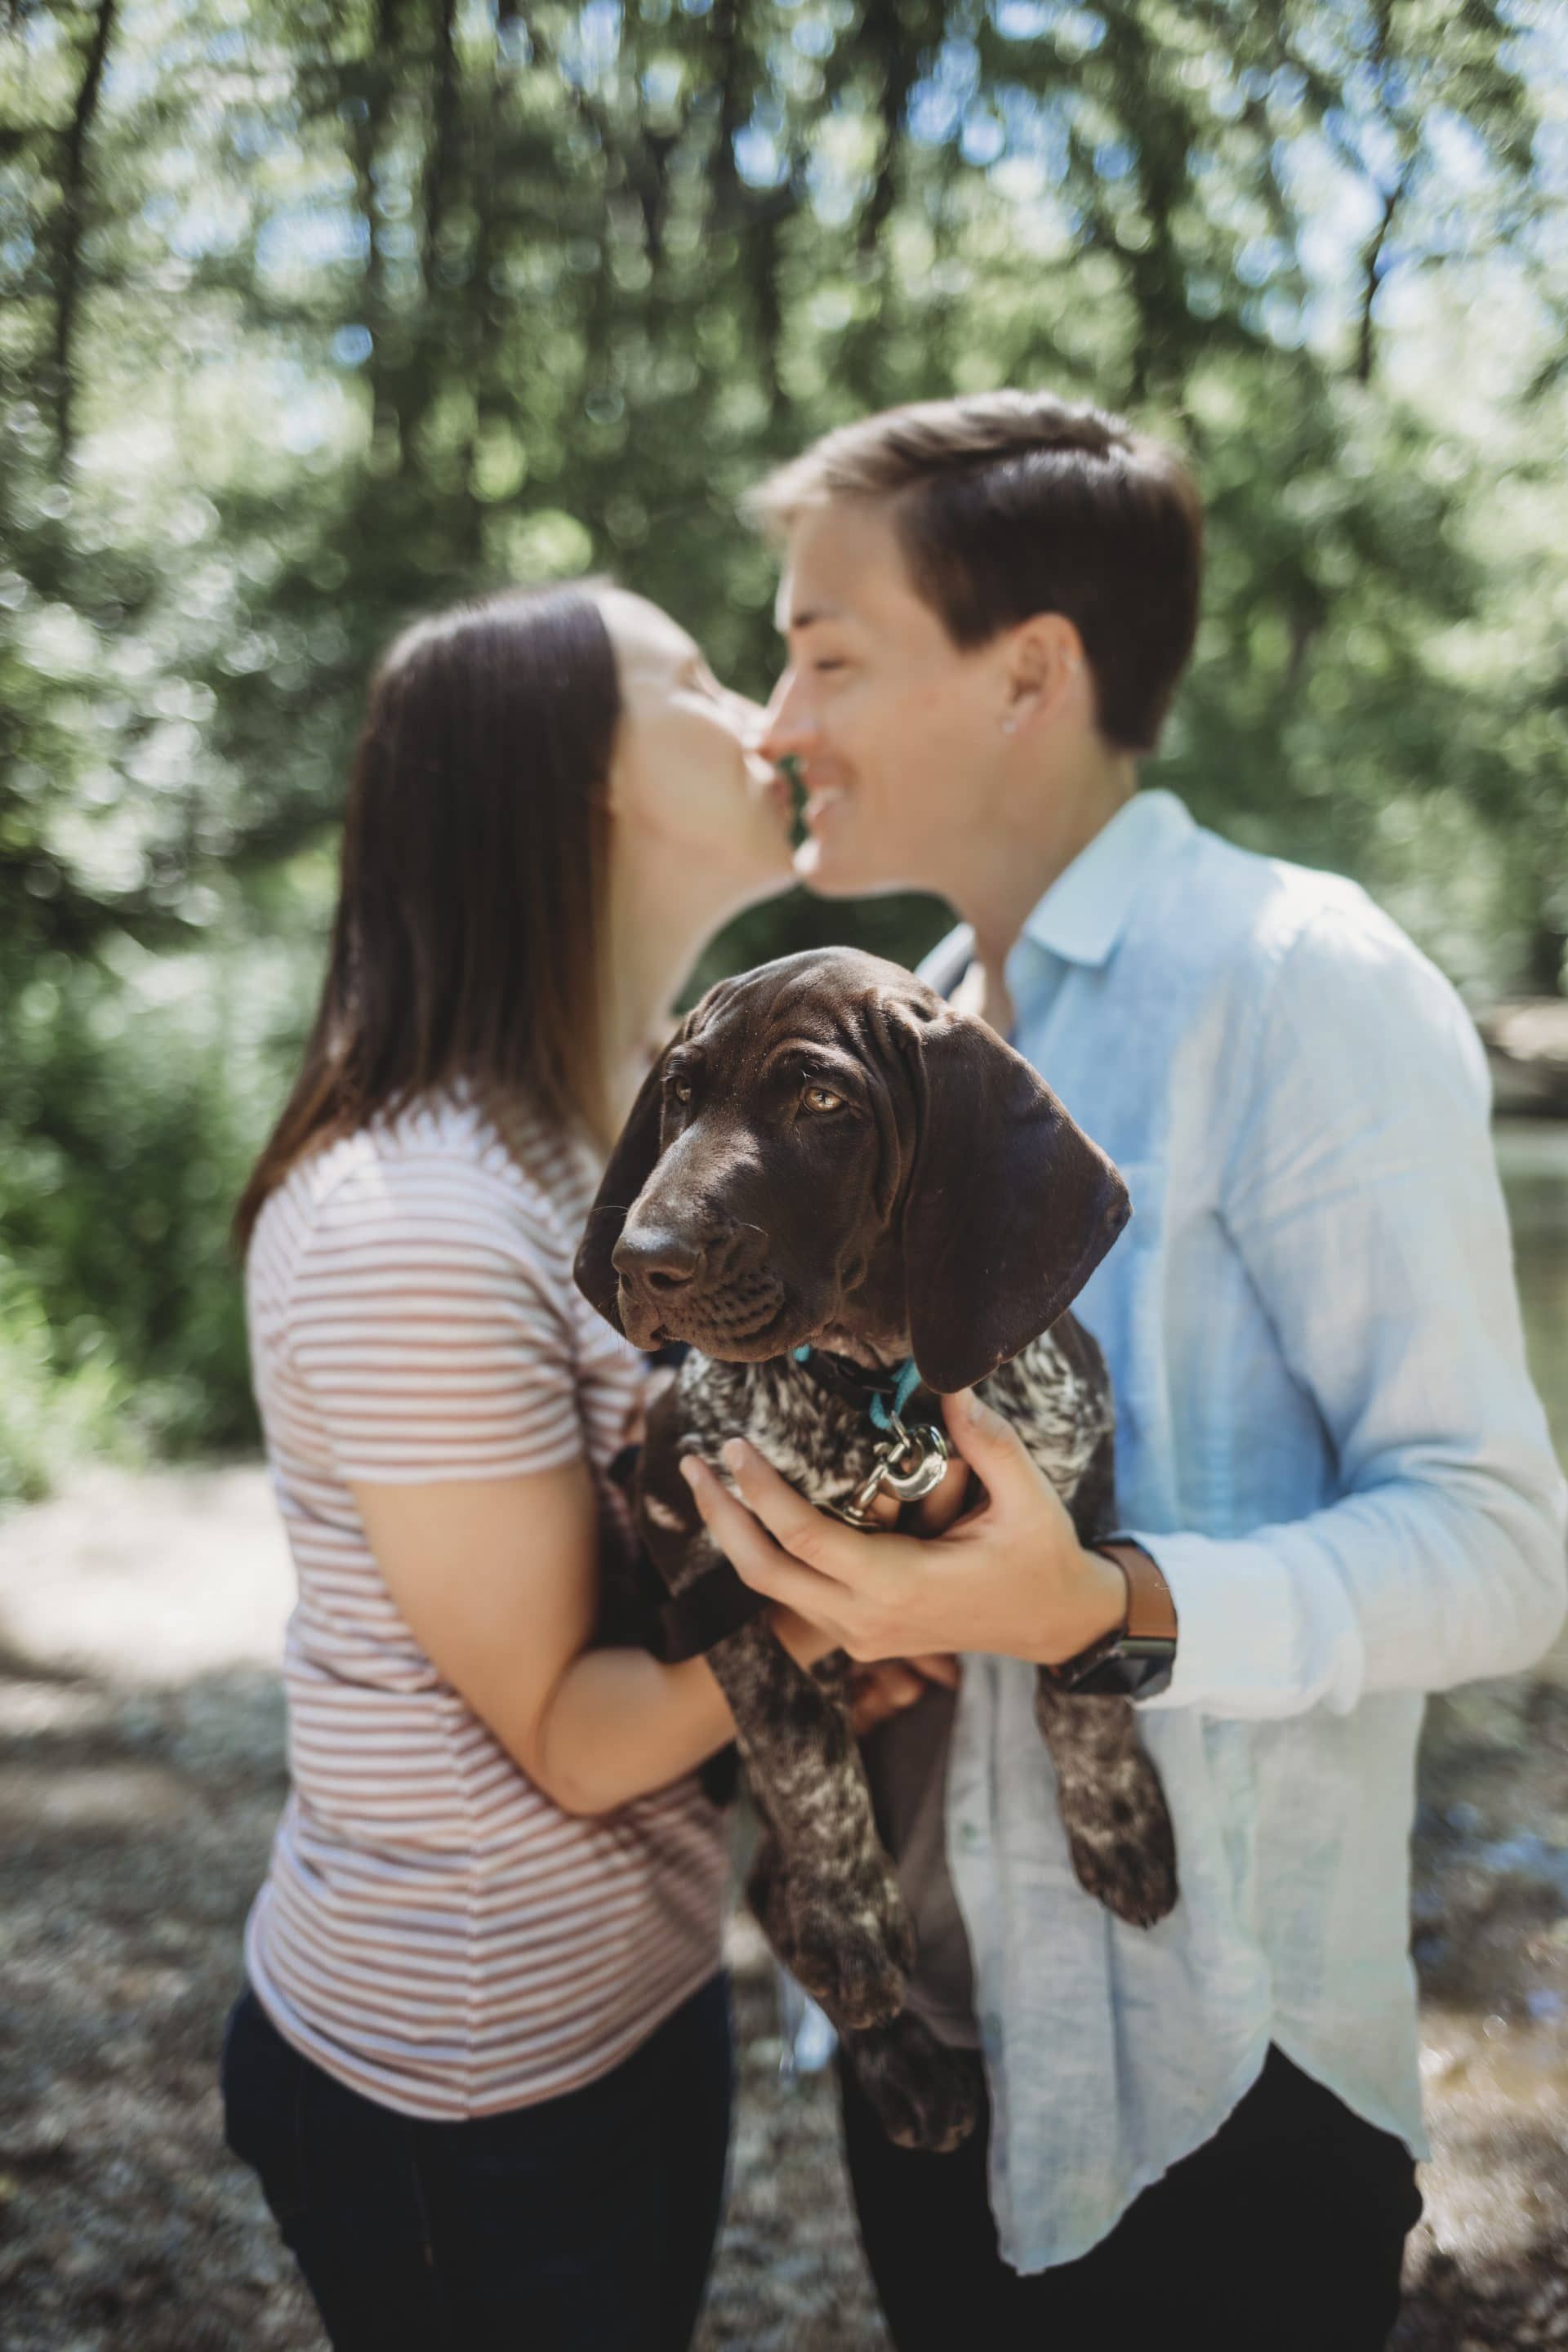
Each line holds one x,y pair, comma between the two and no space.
70,223
383,370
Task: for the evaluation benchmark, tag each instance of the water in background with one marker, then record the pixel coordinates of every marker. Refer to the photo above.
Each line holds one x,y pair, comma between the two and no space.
1532,1155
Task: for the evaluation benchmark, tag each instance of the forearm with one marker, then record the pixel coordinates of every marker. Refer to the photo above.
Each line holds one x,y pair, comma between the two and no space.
1359,1192
620,1725
1408,1587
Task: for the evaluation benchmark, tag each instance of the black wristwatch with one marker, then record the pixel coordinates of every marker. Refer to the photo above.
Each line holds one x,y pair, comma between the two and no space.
1134,1659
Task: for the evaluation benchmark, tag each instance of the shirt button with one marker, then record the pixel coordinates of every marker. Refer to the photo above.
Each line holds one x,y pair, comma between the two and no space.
971,1836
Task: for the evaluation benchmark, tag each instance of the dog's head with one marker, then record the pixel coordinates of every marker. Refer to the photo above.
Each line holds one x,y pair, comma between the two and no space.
828,1148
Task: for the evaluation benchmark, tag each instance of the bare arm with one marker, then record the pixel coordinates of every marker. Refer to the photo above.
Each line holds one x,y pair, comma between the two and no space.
496,1579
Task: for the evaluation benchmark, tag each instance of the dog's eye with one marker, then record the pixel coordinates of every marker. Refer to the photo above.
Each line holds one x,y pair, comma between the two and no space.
823,1099
680,1088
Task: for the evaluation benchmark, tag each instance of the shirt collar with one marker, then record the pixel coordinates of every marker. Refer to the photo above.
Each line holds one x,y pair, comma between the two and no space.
1083,914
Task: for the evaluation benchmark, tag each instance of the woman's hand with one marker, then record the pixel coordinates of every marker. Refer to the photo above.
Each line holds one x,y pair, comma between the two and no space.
1009,1578
891,1685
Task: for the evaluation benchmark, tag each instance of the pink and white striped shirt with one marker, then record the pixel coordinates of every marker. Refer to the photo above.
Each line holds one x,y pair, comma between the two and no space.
434,1931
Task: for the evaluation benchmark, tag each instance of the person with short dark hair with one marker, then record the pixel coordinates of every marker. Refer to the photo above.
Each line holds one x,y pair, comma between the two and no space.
1332,1470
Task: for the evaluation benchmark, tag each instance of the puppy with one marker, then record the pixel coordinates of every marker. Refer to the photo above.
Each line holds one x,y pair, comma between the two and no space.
829,1174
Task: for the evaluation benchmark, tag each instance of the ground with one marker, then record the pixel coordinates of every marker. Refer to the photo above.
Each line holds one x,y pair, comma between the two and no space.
141,1771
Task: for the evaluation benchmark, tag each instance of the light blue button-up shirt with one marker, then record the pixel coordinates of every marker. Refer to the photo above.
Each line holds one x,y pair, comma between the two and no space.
1328,1440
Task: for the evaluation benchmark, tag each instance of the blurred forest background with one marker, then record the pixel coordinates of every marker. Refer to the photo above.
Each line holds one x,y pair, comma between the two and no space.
319,313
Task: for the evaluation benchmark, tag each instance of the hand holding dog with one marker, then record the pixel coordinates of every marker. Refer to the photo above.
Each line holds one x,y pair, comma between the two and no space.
1009,1578
882,1687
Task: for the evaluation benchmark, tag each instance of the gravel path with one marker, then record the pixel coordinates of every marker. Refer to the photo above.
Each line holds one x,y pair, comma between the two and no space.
141,1771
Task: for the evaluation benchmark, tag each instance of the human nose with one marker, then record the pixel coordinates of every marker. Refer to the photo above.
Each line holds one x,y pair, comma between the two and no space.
789,723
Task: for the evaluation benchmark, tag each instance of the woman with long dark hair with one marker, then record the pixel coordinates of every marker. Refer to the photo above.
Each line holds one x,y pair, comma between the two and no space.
482,2063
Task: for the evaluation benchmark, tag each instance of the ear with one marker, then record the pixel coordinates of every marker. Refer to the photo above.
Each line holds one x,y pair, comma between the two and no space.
631,1164
1009,1206
1044,656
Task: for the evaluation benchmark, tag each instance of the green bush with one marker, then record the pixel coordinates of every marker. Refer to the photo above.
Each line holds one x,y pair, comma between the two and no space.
50,1417
140,1087
336,313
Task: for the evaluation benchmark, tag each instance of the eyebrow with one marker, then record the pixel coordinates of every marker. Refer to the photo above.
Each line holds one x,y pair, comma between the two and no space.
795,622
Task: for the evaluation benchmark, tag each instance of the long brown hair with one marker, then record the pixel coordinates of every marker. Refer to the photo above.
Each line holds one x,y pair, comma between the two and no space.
474,853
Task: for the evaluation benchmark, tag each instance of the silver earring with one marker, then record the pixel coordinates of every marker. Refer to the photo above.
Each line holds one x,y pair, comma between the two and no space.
1009,727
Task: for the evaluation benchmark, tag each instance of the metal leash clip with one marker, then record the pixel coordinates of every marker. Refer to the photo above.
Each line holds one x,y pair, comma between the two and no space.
908,1464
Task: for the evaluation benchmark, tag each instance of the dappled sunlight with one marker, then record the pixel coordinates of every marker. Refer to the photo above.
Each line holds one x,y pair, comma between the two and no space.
318,317
88,1800
141,1773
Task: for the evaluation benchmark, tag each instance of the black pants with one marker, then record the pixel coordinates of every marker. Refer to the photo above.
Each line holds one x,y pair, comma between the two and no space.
1284,2234
583,2224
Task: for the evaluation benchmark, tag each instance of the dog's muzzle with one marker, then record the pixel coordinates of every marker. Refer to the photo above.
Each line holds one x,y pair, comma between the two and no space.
710,1290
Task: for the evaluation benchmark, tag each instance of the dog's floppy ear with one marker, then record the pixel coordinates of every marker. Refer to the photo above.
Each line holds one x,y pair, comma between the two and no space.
631,1164
1009,1207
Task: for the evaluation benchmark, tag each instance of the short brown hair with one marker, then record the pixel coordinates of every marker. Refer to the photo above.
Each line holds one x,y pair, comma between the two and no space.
1011,503
475,852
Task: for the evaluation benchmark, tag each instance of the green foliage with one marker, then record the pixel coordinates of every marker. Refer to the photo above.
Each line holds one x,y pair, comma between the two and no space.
49,1416
317,314
139,1087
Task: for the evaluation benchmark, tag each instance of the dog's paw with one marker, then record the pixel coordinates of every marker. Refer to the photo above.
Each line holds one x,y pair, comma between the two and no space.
1130,1865
852,1947
924,2094
1113,1806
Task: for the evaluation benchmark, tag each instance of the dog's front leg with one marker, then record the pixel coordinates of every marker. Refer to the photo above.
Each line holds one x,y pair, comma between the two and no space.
924,2094
1113,1806
829,1894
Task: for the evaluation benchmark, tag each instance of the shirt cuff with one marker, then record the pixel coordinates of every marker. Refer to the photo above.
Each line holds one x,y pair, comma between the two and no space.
1247,1641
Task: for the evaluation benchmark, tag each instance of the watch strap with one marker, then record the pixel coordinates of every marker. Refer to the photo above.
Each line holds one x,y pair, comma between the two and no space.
1151,1611
1135,1658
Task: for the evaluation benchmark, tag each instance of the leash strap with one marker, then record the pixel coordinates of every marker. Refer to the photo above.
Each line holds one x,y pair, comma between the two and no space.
884,1397
908,1462
883,1416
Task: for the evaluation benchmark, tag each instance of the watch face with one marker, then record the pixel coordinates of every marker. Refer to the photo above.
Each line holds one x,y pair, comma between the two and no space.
1134,1668
1147,1677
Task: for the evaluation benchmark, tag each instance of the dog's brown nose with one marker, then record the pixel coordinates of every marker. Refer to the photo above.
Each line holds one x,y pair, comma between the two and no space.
658,1260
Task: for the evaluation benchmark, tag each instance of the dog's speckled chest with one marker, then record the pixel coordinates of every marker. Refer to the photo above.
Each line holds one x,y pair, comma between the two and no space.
1055,1393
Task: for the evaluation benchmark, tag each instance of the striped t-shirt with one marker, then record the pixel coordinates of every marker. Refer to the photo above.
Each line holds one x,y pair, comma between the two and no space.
434,1931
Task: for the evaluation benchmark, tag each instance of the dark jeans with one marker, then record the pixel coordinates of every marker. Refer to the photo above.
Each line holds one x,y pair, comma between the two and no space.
583,2224
1284,2234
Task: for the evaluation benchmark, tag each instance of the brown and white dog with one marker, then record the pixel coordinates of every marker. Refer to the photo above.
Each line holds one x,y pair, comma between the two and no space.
828,1156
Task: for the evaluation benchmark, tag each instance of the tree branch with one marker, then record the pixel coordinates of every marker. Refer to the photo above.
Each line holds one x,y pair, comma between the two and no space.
442,149
1372,273
365,144
70,223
